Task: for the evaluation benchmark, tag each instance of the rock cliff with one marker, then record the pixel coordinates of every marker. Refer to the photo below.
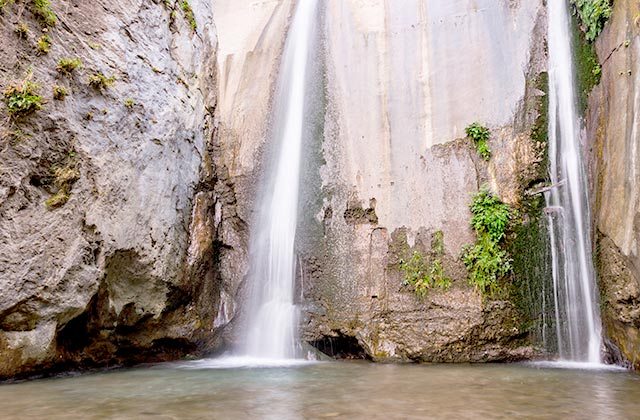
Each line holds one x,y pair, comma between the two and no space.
106,220
613,125
403,80
126,208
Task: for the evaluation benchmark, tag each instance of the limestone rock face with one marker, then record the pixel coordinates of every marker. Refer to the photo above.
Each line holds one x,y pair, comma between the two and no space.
146,259
111,275
404,79
614,126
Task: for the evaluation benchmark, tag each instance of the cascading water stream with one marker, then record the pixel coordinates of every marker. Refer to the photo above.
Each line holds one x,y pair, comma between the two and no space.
578,325
273,321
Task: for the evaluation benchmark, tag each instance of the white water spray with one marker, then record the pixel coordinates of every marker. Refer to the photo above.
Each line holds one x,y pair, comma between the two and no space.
578,323
272,332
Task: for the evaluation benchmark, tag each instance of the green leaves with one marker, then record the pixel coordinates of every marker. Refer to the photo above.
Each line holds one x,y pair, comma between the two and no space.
68,65
490,215
594,14
42,9
480,136
22,99
423,275
486,261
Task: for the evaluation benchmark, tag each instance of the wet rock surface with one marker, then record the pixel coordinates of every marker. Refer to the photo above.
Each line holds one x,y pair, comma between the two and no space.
394,162
613,125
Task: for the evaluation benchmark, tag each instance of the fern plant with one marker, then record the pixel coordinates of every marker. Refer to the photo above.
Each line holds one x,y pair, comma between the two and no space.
593,14
480,136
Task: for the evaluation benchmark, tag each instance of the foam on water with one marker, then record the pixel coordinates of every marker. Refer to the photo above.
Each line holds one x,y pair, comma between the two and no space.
567,364
238,362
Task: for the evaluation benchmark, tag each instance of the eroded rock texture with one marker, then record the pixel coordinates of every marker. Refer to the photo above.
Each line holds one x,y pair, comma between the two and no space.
404,79
614,124
147,258
123,270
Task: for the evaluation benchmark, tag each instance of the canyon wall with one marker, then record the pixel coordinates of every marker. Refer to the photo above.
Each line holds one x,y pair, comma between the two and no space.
613,126
106,204
126,211
404,79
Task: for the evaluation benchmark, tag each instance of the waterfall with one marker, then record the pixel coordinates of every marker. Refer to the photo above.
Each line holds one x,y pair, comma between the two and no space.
578,324
273,317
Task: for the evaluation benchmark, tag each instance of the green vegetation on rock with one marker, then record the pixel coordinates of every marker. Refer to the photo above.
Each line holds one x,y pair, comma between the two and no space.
64,178
22,98
189,15
99,81
490,215
44,44
593,14
480,136
487,261
68,65
59,93
22,30
42,9
588,69
540,130
422,274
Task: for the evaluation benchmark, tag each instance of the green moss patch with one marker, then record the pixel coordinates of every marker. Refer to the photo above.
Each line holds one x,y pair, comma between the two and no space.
587,65
64,178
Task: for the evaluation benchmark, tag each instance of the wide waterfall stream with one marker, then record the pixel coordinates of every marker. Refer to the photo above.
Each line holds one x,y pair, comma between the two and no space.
576,310
272,325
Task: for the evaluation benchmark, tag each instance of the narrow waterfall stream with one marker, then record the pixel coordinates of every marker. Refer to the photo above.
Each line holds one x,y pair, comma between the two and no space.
273,318
578,325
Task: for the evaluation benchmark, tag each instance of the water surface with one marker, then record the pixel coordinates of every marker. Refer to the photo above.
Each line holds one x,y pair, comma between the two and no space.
204,390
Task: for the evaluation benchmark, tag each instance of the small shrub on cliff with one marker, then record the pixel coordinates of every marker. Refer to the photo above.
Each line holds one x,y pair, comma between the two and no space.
22,30
100,81
423,275
59,93
593,14
490,215
44,44
480,136
22,98
486,261
42,9
68,65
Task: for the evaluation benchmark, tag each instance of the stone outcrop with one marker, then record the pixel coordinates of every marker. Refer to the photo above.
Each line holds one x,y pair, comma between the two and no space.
404,79
613,125
119,267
